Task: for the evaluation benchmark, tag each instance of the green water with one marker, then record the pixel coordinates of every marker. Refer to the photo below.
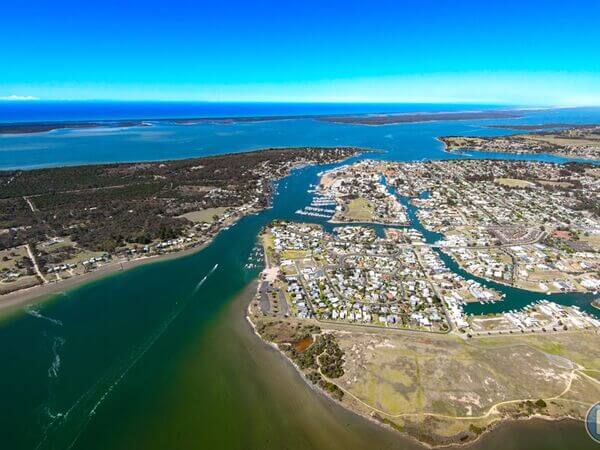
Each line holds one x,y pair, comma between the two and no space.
160,357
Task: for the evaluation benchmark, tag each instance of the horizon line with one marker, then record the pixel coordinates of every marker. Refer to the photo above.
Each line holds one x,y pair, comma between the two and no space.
33,100
29,100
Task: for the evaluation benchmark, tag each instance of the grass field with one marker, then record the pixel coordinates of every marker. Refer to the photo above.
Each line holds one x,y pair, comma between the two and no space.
294,254
204,215
588,141
452,387
514,182
359,210
9,257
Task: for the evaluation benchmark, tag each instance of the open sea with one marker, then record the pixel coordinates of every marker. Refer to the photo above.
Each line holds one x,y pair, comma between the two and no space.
160,356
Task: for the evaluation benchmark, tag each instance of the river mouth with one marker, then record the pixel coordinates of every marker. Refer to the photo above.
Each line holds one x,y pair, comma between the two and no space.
199,379
205,381
322,423
229,368
276,408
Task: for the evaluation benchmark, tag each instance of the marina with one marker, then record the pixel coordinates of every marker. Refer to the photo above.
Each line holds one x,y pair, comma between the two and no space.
118,332
300,226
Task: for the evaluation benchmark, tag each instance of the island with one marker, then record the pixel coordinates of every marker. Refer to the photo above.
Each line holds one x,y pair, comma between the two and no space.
377,316
66,223
358,119
391,119
579,142
43,127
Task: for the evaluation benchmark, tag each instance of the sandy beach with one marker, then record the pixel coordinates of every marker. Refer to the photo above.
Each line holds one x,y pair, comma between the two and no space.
498,427
14,300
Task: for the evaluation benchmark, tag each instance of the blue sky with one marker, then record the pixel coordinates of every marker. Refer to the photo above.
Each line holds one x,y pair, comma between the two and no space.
526,52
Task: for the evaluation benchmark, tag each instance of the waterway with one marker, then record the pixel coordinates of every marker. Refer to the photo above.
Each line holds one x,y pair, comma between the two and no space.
514,298
160,357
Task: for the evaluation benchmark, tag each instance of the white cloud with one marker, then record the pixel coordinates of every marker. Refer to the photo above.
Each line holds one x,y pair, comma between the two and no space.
18,98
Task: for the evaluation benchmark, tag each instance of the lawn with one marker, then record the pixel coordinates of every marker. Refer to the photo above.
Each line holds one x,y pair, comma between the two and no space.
360,210
514,182
7,260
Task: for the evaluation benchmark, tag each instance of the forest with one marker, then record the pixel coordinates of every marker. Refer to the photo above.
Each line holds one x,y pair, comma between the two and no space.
104,206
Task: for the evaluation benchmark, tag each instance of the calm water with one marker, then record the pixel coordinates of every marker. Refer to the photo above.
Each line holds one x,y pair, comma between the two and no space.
82,110
160,357
167,141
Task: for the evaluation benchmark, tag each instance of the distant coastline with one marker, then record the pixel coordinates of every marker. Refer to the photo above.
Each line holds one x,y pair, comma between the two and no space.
391,119
32,127
16,128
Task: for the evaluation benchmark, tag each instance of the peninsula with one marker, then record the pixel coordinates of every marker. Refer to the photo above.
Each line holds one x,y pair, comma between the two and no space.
64,223
390,119
377,318
580,142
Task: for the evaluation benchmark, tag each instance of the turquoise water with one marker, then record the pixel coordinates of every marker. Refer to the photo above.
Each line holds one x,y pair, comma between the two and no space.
159,357
515,298
167,141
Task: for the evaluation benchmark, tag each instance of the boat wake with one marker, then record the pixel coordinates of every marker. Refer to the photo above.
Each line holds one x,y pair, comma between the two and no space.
201,282
55,366
74,421
52,415
36,313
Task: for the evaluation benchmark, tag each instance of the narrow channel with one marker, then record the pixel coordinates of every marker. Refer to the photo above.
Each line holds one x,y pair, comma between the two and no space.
157,358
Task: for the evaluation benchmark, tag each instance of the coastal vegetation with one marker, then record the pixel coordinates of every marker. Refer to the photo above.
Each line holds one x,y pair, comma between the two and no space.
74,219
319,361
581,141
441,389
388,119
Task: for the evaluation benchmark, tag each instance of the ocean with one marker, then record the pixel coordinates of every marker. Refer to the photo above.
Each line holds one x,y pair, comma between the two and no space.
160,356
39,111
166,140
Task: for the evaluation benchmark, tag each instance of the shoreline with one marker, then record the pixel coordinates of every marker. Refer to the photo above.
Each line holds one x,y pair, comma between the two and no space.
24,128
23,297
13,300
564,156
312,386
494,426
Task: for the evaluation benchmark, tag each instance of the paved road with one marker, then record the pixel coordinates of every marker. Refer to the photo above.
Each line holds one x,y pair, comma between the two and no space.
285,309
265,305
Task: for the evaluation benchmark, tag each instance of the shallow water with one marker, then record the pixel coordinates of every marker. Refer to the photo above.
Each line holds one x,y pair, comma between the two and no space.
410,141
